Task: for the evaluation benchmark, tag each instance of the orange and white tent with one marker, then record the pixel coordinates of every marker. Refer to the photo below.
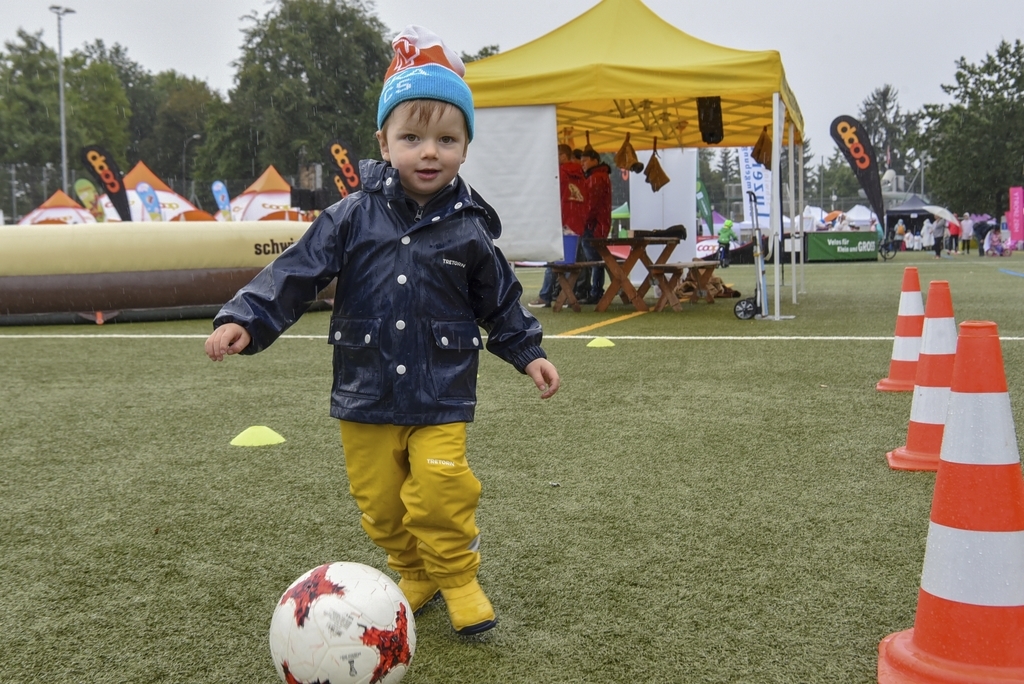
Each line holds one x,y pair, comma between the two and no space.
59,209
269,194
171,203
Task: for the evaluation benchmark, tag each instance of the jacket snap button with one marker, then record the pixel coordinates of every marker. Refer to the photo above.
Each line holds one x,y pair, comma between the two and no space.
436,218
476,342
337,335
400,325
400,370
401,280
365,339
406,240
444,341
458,205
387,182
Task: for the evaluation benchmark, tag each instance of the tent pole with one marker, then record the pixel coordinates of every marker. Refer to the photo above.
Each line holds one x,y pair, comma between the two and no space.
792,209
801,206
775,217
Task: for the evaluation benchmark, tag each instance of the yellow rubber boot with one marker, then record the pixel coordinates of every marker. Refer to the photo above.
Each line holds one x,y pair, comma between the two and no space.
469,609
418,592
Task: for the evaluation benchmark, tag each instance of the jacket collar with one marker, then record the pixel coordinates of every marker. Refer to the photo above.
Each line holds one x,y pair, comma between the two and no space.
600,168
378,176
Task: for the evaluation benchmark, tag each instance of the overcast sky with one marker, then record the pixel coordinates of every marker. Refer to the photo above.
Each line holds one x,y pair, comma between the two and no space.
834,53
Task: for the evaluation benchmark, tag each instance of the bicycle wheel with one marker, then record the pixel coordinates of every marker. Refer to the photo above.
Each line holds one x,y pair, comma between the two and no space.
887,250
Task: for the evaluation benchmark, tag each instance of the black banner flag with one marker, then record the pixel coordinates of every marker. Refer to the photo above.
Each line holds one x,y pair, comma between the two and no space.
853,140
344,169
104,169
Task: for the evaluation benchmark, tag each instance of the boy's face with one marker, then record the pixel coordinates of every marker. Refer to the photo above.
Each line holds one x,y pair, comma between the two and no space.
428,154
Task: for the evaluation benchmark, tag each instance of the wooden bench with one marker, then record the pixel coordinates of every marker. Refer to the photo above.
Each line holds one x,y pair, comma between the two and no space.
669,275
567,275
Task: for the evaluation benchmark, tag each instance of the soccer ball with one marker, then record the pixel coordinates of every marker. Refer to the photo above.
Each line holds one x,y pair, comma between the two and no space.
343,623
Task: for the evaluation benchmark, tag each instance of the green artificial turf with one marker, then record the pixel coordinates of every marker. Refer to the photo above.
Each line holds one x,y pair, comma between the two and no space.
684,510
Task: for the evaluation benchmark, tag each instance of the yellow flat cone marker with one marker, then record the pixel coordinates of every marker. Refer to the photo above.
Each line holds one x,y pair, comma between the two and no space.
257,435
600,342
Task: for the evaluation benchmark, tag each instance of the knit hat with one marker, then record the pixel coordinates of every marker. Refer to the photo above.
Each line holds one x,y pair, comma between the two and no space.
424,69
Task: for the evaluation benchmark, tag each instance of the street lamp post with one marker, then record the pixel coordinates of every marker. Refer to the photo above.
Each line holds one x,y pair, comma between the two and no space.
195,136
60,12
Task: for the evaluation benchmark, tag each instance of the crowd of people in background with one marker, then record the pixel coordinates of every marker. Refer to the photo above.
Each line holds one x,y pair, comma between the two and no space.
954,237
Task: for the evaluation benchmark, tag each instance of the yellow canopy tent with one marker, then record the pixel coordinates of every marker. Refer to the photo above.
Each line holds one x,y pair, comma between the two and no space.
620,68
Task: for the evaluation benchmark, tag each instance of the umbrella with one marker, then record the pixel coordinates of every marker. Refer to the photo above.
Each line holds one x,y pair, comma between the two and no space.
942,212
831,215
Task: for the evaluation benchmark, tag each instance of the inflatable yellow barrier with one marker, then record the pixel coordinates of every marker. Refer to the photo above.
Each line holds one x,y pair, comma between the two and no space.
104,267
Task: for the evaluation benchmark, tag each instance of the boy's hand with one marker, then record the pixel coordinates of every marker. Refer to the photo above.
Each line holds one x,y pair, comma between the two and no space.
544,375
229,338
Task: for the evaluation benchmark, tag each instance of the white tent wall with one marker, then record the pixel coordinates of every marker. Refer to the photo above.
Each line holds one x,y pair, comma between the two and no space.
674,204
513,163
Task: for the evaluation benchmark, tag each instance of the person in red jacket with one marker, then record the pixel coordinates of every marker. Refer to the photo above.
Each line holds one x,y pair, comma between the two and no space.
573,193
599,218
573,185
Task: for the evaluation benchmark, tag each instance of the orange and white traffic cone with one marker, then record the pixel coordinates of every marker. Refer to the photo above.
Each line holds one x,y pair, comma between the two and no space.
970,608
931,388
907,345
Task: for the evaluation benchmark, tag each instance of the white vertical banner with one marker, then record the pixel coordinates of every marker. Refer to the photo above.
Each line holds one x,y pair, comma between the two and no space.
757,179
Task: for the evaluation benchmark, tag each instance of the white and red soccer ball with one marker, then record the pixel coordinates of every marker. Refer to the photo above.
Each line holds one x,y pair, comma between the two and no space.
343,623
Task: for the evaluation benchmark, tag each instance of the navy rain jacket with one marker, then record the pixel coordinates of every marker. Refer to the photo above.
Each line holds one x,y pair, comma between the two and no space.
413,286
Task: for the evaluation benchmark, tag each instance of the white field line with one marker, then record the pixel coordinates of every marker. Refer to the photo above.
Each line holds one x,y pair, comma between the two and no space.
680,338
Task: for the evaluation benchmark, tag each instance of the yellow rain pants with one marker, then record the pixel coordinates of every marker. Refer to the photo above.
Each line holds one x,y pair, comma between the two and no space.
418,497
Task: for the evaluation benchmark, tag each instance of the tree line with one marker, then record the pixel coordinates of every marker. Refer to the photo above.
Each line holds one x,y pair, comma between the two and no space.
311,71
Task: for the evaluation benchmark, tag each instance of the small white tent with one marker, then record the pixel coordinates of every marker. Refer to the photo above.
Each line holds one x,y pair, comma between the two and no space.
268,196
59,208
860,216
814,217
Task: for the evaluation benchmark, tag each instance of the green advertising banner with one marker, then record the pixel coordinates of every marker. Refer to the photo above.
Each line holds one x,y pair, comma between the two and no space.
842,246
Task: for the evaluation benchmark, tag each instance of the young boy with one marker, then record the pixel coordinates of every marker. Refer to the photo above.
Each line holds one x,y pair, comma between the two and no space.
725,237
417,273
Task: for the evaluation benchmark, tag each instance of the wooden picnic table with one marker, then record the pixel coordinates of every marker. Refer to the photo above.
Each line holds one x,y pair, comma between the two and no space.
619,270
696,272
568,274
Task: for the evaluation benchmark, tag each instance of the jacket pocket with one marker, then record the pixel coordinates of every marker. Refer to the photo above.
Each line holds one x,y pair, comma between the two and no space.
454,359
357,364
